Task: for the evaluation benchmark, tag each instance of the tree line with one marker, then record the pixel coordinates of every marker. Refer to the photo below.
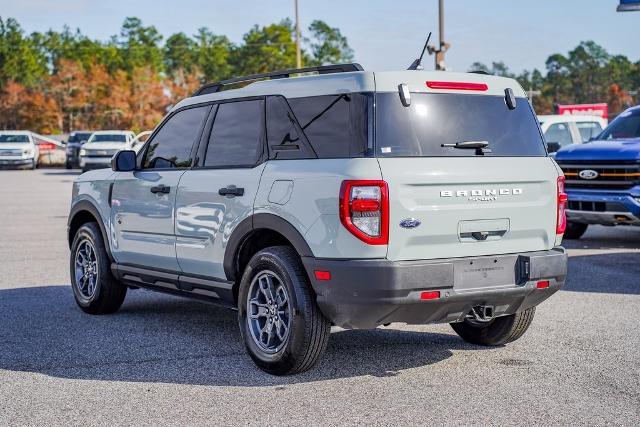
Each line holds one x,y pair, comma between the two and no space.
587,74
55,82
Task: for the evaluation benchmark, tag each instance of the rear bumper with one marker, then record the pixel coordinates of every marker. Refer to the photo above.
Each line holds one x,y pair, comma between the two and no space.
604,207
368,293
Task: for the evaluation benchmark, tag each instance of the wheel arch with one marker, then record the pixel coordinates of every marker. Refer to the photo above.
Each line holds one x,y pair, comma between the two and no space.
82,212
255,233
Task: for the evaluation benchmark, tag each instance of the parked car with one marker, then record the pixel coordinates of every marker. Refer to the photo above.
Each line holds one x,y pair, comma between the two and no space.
18,149
97,152
74,143
561,130
603,176
303,203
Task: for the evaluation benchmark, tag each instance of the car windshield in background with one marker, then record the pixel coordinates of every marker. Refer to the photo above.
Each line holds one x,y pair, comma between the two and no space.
434,119
108,138
14,138
79,137
625,126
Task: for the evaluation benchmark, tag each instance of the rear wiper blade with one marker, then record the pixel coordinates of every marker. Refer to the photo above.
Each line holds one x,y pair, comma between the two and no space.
468,144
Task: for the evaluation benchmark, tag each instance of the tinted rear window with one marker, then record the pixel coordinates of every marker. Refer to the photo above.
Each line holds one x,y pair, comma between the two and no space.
335,125
434,119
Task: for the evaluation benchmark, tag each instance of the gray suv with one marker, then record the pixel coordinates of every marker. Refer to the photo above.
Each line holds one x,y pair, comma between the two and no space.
332,196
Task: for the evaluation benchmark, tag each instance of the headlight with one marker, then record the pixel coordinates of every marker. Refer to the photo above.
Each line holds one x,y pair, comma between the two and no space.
83,152
27,153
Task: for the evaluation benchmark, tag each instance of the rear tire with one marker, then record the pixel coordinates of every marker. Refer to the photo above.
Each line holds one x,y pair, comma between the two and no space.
95,289
575,230
499,331
281,337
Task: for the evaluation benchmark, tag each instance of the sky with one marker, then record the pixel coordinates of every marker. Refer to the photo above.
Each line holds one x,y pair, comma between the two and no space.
384,34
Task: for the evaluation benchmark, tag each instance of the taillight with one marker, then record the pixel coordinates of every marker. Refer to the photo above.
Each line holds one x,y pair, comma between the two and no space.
561,221
364,210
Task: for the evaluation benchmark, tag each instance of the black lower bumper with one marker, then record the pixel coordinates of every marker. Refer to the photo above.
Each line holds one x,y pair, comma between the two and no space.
368,293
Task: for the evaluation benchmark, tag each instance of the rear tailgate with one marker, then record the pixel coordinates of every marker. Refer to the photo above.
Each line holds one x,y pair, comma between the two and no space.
470,206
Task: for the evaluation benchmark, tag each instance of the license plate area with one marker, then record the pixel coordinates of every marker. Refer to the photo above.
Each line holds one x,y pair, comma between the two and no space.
486,272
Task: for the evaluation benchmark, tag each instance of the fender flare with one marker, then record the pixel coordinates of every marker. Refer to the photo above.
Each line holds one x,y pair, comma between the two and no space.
261,221
87,206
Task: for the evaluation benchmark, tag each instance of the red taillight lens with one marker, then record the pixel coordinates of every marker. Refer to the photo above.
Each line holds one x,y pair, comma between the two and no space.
364,210
322,274
542,284
561,221
430,295
458,86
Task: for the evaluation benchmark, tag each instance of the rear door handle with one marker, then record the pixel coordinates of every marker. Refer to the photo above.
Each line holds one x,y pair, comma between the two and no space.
163,189
231,190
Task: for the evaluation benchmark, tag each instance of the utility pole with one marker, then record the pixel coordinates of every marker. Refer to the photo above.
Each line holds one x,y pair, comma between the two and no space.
439,52
298,54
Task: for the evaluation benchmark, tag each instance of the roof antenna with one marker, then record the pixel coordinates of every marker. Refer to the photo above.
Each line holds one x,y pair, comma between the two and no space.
417,64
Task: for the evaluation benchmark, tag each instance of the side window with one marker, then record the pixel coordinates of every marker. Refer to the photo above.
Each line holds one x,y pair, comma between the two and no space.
588,130
171,146
335,125
284,137
560,133
237,134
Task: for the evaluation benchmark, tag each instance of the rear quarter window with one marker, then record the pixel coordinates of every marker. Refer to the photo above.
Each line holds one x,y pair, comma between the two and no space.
336,126
434,119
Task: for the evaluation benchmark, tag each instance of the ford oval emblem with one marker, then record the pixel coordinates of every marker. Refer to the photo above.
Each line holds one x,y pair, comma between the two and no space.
588,174
410,223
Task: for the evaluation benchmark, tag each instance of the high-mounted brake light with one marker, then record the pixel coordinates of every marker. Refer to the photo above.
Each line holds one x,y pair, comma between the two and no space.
364,210
458,86
561,221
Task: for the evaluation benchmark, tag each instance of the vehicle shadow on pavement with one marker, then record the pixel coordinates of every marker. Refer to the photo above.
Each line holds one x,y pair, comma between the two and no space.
163,339
63,173
612,273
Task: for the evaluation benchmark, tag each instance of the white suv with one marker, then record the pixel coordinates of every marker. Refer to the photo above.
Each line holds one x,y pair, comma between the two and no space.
18,149
97,152
349,198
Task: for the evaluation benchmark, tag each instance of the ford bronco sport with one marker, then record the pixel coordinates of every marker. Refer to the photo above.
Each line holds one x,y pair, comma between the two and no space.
345,198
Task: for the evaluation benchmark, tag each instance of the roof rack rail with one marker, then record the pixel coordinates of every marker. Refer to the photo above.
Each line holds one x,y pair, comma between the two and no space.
280,74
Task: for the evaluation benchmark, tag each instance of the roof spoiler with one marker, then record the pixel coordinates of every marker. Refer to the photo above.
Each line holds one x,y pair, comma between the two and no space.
281,74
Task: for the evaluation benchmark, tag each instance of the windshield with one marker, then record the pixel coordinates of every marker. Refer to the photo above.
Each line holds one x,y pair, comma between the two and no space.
106,137
14,138
79,137
625,126
434,119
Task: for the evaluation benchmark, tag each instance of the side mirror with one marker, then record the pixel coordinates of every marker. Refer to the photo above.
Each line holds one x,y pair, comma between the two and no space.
124,161
553,146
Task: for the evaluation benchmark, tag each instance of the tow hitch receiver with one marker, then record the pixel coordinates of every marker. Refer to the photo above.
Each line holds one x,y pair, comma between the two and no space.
481,313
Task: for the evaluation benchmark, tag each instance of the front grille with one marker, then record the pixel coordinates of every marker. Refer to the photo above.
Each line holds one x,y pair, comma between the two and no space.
611,174
100,153
11,153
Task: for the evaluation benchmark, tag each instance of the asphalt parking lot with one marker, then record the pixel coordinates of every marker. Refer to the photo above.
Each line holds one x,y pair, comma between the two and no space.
165,360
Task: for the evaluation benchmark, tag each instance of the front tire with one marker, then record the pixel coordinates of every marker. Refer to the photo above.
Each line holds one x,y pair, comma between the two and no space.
95,289
575,230
282,327
499,331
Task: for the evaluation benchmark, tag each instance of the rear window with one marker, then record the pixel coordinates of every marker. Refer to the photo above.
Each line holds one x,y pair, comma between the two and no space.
434,119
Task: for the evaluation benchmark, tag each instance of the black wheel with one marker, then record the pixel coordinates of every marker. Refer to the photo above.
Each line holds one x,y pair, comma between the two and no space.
67,165
575,230
281,325
33,165
501,330
95,289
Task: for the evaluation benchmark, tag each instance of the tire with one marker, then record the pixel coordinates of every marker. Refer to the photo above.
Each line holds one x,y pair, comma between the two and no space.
100,293
33,165
67,165
575,230
278,269
499,331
